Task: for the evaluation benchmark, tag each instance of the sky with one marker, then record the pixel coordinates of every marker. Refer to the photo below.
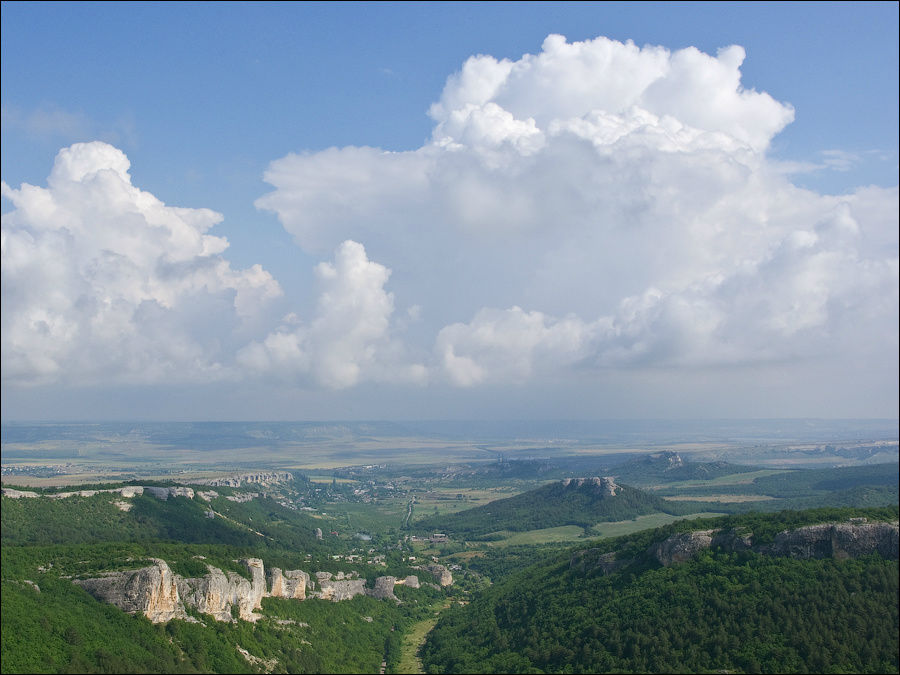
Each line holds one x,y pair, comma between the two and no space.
300,211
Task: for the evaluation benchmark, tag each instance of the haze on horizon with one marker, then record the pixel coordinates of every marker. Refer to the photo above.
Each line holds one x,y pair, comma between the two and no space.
602,224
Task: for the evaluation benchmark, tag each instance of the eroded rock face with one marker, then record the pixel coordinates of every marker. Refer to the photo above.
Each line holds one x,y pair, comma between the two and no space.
127,491
827,540
837,540
606,484
18,494
681,547
341,590
257,582
733,541
441,574
152,591
218,592
161,595
384,589
164,493
289,584
259,477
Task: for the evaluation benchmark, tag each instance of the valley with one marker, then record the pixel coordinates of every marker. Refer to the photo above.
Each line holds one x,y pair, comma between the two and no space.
371,567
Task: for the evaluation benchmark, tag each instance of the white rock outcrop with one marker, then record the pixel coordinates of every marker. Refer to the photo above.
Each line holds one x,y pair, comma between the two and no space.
226,596
288,584
152,591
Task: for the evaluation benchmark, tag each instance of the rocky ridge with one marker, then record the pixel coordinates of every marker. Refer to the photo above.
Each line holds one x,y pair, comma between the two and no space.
828,540
127,491
257,478
606,484
161,595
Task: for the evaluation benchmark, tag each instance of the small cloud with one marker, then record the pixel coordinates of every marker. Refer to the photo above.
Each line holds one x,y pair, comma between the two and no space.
47,123
348,340
840,160
52,123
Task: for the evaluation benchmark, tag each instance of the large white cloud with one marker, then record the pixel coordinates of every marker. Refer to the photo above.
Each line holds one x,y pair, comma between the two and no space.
104,282
350,338
585,212
620,202
813,296
535,143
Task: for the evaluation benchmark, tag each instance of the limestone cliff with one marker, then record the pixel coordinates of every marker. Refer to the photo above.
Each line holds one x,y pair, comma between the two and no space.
127,491
606,485
259,478
384,589
164,493
288,584
161,595
827,540
681,547
152,591
213,593
338,588
218,592
837,540
441,574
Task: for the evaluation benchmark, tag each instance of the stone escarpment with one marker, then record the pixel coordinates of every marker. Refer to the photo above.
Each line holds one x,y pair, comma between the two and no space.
160,595
337,587
384,588
289,584
152,591
440,573
828,540
606,485
127,491
838,540
165,492
258,478
221,593
681,547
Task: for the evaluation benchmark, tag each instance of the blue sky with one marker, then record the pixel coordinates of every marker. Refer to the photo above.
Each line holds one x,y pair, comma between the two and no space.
203,98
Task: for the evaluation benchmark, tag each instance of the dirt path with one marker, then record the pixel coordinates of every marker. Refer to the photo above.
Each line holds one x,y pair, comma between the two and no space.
410,663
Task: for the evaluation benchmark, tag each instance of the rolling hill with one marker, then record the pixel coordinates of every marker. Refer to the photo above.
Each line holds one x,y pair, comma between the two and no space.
577,501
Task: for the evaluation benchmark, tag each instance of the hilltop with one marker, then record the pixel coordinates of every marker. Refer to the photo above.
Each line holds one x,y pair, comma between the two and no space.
573,501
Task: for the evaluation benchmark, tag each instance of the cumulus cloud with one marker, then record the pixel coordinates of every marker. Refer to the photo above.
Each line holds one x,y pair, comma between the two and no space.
619,202
349,340
104,282
511,344
594,207
511,137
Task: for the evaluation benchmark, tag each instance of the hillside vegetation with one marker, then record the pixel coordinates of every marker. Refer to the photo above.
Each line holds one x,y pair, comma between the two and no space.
51,624
721,611
580,502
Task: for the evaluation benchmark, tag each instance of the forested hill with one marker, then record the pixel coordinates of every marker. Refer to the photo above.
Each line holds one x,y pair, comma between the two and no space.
629,605
579,501
669,466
